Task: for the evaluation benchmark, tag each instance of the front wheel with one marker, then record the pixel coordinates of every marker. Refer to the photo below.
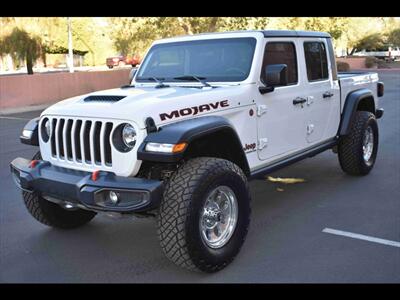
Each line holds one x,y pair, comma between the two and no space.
357,151
52,214
205,214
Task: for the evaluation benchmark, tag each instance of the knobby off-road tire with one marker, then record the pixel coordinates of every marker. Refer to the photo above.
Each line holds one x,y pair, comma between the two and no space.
351,147
182,210
52,214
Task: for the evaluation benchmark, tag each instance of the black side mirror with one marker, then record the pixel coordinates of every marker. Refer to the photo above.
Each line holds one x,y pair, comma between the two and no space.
274,75
132,74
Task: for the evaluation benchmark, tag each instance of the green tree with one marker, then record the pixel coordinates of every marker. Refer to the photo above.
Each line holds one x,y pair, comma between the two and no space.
394,37
243,23
102,36
134,35
22,46
372,41
88,34
358,29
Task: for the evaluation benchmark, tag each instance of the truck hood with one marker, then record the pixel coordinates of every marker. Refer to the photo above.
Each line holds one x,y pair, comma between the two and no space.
141,102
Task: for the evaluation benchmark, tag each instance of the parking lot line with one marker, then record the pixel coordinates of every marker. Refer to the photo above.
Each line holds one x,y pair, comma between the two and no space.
362,237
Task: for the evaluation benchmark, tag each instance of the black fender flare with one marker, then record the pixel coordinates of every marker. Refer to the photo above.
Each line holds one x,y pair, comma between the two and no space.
33,126
187,131
350,108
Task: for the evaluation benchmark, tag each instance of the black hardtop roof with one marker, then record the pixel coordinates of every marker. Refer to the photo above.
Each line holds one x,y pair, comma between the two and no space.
294,33
278,33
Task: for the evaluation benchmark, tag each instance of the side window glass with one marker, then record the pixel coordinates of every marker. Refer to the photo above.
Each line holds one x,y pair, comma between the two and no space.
281,53
316,61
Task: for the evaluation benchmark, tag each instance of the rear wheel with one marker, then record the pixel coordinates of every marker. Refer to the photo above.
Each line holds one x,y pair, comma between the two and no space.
357,151
52,214
205,214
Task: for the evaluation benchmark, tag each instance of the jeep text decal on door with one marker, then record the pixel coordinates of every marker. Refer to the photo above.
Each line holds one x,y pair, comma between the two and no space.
193,110
249,147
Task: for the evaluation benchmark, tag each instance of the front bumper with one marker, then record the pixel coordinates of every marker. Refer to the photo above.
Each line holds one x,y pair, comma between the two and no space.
79,188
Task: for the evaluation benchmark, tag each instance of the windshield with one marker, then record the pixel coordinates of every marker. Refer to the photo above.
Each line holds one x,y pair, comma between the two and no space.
215,60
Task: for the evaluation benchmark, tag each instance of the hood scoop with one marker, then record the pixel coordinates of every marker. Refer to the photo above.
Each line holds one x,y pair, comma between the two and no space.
103,98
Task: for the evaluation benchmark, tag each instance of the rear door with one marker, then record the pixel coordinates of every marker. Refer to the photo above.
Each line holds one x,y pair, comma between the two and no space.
322,91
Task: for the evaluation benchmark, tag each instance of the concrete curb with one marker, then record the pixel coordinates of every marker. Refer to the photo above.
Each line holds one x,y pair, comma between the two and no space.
377,70
15,110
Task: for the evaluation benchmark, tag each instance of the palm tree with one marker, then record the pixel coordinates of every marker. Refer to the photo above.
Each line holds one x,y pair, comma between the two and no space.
22,46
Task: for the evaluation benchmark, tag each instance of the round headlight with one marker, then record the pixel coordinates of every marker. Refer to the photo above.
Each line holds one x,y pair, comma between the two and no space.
45,130
47,127
129,135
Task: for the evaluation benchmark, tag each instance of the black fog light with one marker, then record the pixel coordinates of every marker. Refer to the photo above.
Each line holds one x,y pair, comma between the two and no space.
114,197
121,198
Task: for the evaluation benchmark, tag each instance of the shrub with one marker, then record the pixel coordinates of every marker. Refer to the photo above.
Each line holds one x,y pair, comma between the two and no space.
370,62
343,66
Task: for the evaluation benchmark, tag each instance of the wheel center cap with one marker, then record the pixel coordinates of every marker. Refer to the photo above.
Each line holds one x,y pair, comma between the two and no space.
211,215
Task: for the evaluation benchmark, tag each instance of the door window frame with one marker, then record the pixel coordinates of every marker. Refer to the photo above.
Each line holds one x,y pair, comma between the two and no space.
328,62
296,52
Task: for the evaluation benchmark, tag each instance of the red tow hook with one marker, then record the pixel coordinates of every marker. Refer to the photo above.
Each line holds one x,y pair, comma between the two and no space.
33,163
95,175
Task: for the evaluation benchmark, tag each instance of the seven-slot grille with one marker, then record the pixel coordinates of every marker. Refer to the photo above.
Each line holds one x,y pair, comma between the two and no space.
81,141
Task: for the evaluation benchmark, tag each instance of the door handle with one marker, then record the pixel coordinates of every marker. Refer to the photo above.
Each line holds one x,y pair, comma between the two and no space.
327,95
299,100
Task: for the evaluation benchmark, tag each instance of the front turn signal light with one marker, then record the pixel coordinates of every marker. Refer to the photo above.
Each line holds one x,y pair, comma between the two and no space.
165,148
179,147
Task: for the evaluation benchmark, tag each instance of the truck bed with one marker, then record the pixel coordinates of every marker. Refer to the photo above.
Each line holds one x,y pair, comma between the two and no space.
351,81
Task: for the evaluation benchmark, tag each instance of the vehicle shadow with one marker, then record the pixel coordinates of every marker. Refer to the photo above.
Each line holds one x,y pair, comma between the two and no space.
105,250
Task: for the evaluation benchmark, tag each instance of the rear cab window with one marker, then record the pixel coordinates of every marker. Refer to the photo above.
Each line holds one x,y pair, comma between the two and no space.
316,60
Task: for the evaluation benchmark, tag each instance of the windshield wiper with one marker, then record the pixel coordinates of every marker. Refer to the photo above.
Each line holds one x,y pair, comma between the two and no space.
192,77
160,83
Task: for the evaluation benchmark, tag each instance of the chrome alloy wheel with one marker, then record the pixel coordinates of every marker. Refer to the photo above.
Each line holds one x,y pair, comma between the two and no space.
368,144
219,217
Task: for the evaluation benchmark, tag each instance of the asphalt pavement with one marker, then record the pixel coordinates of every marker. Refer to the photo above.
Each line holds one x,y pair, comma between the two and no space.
290,238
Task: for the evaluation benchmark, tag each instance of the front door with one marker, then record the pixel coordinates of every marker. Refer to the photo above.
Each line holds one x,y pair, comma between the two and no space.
281,123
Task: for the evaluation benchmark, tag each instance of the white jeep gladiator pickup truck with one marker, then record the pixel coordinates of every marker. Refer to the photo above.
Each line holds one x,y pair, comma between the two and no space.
202,115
